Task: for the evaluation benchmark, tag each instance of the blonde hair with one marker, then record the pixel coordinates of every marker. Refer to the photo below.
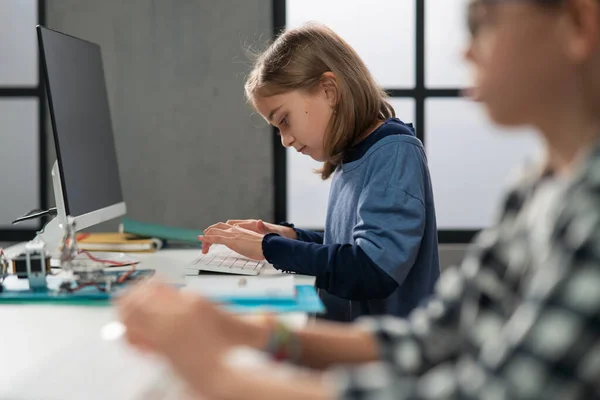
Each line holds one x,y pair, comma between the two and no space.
298,59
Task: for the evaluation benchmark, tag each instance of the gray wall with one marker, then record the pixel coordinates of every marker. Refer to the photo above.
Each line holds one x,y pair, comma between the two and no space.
190,151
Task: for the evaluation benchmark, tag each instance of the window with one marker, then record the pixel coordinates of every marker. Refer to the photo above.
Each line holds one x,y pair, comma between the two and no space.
445,40
22,149
364,22
20,188
18,43
471,162
414,48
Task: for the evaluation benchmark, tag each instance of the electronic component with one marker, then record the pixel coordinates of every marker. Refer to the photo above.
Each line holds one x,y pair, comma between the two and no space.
33,265
83,274
3,268
77,273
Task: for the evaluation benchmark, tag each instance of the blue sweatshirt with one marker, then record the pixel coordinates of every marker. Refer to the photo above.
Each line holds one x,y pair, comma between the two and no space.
379,253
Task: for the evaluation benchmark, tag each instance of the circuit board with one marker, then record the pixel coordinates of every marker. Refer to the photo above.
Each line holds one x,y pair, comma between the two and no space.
17,290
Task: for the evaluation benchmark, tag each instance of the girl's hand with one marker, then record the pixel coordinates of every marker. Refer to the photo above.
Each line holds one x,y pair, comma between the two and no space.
259,226
243,241
254,225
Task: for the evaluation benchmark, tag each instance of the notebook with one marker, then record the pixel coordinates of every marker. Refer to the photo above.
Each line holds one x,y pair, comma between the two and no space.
115,241
225,289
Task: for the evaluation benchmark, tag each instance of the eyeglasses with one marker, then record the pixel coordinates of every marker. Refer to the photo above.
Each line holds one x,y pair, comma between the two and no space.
475,11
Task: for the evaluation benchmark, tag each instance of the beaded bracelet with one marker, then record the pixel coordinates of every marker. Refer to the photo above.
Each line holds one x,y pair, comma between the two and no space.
283,343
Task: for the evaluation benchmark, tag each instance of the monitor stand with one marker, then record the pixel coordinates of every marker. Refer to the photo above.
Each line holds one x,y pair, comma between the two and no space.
52,233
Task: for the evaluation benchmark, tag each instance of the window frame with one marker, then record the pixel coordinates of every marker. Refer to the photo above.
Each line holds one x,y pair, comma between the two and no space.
420,93
15,234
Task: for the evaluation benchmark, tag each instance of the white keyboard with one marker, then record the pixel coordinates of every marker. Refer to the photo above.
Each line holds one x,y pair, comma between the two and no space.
227,262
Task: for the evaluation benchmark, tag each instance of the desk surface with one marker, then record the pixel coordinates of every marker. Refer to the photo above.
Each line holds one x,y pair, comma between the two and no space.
31,334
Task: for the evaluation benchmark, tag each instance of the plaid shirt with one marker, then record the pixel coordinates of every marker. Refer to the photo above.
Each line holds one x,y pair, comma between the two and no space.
518,320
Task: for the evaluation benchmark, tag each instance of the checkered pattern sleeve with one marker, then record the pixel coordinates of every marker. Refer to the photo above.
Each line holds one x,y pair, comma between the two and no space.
409,348
550,347
547,347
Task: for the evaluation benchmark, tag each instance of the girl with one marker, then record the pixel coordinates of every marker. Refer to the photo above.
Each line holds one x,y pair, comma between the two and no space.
380,247
519,319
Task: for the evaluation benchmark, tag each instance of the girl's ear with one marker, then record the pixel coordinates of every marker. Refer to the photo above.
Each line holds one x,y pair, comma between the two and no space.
329,86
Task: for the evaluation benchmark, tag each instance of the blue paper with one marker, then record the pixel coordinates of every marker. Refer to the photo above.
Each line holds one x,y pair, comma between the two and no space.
307,300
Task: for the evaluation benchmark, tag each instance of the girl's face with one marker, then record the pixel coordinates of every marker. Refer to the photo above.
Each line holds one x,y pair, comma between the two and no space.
518,58
302,119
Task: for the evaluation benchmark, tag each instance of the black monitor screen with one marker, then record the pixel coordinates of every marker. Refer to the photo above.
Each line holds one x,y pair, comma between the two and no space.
81,121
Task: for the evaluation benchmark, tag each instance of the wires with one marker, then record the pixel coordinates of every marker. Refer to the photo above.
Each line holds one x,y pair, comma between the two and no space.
121,279
96,281
83,235
126,275
83,285
98,260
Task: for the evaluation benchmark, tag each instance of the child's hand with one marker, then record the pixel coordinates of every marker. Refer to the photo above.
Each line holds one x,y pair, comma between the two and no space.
259,226
242,241
192,333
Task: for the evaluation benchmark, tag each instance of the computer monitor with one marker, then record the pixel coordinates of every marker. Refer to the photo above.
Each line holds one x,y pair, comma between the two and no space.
86,179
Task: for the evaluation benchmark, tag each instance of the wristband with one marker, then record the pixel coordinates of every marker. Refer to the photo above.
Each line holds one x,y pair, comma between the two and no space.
283,343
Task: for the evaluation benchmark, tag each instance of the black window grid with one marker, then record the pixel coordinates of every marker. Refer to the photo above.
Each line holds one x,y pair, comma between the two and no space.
420,93
16,234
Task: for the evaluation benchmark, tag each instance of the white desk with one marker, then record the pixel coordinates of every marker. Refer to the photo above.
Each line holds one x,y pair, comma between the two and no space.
31,334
